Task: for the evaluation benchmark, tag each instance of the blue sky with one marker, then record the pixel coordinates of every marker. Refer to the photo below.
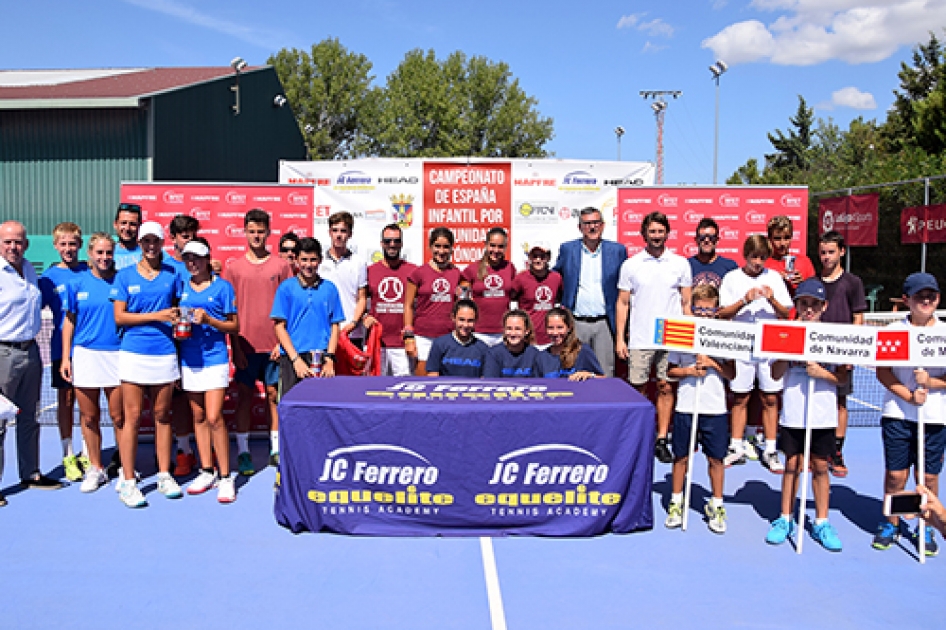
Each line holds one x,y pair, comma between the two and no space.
585,62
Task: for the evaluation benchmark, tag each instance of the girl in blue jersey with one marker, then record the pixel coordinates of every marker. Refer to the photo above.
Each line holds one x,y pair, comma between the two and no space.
210,303
145,302
515,357
458,353
567,357
90,346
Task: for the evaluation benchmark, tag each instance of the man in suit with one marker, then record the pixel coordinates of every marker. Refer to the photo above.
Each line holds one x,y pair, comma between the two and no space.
589,267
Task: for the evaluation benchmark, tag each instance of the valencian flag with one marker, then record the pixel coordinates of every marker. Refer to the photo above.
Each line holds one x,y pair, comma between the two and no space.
675,333
893,345
782,339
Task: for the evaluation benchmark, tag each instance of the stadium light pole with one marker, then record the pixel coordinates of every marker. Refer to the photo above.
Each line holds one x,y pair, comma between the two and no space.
717,69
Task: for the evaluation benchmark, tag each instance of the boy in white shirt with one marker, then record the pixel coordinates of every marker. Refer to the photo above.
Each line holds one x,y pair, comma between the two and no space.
810,302
713,419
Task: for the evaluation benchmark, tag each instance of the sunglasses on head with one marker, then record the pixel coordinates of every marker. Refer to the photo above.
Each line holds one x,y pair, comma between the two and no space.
129,207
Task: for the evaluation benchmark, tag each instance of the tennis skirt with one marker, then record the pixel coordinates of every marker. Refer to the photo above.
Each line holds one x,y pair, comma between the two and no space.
146,369
206,378
94,369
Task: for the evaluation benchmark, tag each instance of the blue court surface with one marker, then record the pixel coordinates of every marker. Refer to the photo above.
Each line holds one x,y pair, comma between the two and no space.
69,560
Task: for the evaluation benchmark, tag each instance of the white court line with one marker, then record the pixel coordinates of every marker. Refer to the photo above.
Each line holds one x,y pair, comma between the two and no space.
496,614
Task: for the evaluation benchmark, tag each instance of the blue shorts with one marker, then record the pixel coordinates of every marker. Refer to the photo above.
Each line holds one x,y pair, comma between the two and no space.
900,444
258,368
712,434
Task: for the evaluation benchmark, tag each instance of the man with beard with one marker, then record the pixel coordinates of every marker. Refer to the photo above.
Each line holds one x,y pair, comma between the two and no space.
387,280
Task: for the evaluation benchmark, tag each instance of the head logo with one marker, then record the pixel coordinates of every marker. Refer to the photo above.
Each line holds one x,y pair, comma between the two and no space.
297,199
493,282
235,231
440,286
235,198
525,209
543,295
391,289
173,197
755,218
692,217
200,215
666,201
827,221
579,178
403,210
353,178
728,201
790,201
301,232
690,249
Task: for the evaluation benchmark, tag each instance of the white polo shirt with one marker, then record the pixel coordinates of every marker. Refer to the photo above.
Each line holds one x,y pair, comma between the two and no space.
349,273
20,303
655,283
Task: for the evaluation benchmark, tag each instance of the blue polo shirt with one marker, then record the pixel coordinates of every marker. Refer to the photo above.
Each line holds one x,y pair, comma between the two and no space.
52,285
501,363
449,357
207,346
551,367
309,312
147,296
88,298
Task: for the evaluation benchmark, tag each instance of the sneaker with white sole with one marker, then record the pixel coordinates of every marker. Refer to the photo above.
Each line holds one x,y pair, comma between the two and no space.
674,516
226,490
204,482
130,495
717,518
95,478
121,477
771,461
751,449
168,487
734,457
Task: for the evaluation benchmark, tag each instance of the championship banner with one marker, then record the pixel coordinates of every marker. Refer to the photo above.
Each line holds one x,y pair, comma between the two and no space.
538,201
740,211
913,346
923,224
427,457
713,337
855,217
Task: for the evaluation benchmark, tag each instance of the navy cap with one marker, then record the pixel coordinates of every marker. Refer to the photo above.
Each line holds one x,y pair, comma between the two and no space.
812,287
916,282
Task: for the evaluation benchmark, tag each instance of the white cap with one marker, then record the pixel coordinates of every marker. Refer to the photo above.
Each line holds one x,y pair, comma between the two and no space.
540,245
152,228
196,248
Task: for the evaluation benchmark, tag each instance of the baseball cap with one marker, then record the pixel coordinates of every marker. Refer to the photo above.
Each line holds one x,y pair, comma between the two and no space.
197,248
812,287
916,282
541,246
152,228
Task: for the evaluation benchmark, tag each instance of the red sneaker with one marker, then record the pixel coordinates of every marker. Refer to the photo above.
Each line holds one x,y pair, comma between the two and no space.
184,463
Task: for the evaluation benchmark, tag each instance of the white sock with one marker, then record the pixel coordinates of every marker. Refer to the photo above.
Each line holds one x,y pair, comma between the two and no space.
770,446
676,497
735,444
716,502
274,441
67,447
820,521
164,475
243,442
787,517
85,448
184,444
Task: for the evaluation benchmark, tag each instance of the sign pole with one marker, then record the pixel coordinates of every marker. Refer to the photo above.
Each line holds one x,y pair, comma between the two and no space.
693,429
921,475
847,263
803,475
926,203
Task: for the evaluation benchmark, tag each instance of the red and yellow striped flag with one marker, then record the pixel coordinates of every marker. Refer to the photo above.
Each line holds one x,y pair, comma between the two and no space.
675,333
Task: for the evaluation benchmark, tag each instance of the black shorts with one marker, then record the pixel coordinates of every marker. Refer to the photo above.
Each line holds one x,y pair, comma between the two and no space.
55,378
792,442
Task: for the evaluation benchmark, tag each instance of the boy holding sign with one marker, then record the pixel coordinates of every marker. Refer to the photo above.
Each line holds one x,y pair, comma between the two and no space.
809,414
701,393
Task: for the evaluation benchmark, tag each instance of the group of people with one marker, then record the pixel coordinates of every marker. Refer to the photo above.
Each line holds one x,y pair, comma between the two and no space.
138,323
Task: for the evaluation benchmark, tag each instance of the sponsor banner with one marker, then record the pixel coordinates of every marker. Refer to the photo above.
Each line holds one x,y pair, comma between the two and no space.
714,337
539,203
848,344
220,208
740,211
923,224
853,216
426,457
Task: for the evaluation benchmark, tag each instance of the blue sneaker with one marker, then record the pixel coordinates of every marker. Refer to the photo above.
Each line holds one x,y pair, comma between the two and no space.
827,536
887,534
781,529
932,547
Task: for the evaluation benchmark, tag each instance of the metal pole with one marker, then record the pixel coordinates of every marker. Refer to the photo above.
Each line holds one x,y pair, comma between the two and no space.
847,264
619,148
716,132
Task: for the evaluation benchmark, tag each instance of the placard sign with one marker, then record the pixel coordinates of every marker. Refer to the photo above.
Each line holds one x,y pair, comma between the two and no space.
714,337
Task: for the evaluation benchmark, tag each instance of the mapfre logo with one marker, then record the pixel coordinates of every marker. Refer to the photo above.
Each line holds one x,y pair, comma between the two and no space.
297,199
755,218
692,217
728,201
200,214
173,197
790,201
235,231
667,201
235,199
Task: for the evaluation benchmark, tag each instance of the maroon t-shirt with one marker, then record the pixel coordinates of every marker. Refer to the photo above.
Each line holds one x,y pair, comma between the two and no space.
491,294
436,291
537,298
386,288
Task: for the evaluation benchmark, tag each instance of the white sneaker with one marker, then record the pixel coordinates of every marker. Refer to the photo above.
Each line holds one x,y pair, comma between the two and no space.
716,518
674,516
121,477
735,456
750,450
168,487
204,482
226,490
130,495
771,461
95,478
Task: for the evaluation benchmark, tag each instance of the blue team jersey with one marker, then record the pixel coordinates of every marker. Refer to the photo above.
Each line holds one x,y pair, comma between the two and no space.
502,363
207,345
551,367
449,357
126,257
179,266
144,296
308,312
88,298
52,286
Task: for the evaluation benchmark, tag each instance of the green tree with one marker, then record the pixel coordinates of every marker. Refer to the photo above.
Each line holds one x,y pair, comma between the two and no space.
917,82
791,151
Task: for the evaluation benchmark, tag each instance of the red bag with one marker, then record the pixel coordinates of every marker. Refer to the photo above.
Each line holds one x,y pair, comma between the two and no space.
350,361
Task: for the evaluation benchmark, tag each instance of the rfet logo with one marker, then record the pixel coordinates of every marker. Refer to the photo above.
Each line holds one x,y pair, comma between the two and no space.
632,217
235,198
543,295
173,197
493,282
755,218
301,232
692,217
440,286
728,201
322,212
790,201
391,289
235,231
728,234
691,249
297,199
200,214
667,201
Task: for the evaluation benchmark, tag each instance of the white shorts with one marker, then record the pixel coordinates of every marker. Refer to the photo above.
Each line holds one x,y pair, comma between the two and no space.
146,369
490,339
748,371
395,362
423,346
205,379
93,369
